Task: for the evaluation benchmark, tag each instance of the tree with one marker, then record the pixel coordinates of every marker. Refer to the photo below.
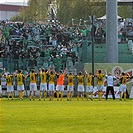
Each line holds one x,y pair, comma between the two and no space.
125,11
36,10
79,9
65,10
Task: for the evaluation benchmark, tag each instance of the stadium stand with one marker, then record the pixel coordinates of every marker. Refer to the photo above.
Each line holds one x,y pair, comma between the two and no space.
34,45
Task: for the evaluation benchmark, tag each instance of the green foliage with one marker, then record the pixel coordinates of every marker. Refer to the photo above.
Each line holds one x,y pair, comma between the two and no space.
67,9
79,9
125,11
66,116
36,11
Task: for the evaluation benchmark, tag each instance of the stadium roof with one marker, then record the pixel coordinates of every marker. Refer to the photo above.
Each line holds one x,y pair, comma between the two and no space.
14,3
120,3
125,0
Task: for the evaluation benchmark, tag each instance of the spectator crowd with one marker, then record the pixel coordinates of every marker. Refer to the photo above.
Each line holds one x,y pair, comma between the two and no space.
34,43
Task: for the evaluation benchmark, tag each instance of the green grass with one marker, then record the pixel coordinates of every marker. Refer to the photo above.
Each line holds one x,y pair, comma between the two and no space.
66,116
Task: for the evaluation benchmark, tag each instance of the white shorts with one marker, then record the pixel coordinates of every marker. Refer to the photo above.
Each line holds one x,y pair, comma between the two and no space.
3,83
51,87
70,88
89,89
60,87
122,88
100,87
33,87
10,88
80,88
0,89
43,87
20,87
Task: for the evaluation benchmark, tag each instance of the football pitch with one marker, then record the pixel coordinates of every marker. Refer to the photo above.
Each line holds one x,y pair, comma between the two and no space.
66,116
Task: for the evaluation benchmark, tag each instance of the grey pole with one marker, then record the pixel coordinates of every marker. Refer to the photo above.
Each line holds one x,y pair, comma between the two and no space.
92,18
111,32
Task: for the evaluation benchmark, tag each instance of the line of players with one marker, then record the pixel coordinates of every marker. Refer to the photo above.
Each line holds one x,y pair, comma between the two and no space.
52,75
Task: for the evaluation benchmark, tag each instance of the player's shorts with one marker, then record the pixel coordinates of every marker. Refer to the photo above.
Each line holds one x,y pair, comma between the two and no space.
10,88
43,87
80,88
0,89
100,87
70,88
51,87
122,88
3,83
33,87
20,87
60,87
89,89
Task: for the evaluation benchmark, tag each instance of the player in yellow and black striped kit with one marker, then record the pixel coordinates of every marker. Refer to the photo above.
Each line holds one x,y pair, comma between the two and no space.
43,83
89,86
20,83
33,86
123,79
51,83
100,81
80,89
70,86
9,85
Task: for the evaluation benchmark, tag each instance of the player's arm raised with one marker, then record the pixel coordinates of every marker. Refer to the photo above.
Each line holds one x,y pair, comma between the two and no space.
75,72
85,72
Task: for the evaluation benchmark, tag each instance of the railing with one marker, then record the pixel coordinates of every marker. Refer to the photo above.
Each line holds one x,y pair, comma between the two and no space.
26,64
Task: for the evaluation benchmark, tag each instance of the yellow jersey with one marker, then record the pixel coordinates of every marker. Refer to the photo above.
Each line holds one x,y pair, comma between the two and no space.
124,79
89,79
80,79
32,77
43,77
100,79
9,80
20,78
51,78
70,80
